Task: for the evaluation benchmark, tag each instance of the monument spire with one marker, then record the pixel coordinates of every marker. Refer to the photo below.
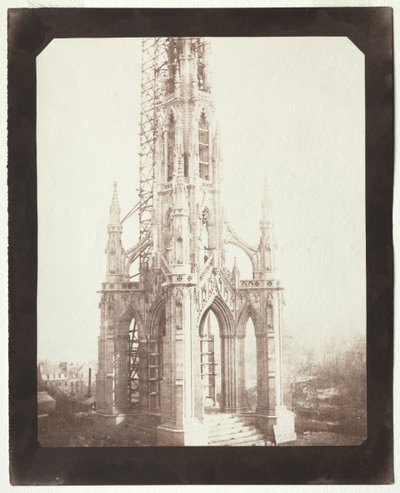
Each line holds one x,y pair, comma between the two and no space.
115,211
266,247
266,202
158,366
114,250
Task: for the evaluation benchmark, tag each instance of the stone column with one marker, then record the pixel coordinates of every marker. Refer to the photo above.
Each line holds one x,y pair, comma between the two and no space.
228,377
271,373
168,382
112,385
104,382
120,373
101,372
181,388
262,373
143,407
273,418
240,364
274,353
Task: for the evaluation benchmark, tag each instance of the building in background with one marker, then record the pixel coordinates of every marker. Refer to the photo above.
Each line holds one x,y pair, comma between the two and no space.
70,378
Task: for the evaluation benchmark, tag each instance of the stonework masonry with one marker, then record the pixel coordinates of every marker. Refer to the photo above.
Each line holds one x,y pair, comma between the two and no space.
154,347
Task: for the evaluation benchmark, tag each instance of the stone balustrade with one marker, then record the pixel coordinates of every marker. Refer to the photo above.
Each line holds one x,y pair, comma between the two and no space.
120,286
259,283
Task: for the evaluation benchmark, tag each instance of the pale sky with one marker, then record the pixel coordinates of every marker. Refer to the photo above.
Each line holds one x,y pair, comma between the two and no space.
291,109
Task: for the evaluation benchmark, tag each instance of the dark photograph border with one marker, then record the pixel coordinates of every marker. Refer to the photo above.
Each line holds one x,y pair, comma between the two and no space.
29,32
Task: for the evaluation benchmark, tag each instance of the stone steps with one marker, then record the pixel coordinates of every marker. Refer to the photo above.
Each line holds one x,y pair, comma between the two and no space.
232,430
256,442
225,424
227,430
249,438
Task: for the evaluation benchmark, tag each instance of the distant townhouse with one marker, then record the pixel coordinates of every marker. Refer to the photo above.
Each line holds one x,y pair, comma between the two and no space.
70,378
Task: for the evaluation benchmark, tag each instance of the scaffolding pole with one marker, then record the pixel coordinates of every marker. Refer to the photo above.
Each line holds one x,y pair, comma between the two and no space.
153,72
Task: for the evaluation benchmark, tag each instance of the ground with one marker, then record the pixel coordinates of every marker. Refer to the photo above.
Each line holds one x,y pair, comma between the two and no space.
323,438
77,430
61,430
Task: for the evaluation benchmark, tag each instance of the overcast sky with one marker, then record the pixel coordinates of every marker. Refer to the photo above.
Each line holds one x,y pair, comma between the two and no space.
291,109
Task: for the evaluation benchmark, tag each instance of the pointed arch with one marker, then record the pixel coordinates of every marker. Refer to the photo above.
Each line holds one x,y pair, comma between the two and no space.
156,325
248,312
205,213
126,356
156,317
170,112
203,109
204,146
130,313
167,217
223,314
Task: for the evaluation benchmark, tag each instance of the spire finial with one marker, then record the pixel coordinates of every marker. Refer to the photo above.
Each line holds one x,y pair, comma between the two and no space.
266,247
114,209
115,191
265,203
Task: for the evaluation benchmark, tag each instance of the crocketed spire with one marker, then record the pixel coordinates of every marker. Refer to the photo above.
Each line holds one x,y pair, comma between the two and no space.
115,209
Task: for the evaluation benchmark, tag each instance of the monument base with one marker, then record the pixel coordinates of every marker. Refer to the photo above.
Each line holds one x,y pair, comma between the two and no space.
105,421
278,426
191,434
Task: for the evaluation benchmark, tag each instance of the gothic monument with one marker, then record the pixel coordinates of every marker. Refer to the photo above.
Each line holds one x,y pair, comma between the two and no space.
157,364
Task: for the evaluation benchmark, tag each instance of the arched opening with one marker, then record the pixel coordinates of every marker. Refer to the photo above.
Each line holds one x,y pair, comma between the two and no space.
133,365
210,351
204,148
250,361
155,359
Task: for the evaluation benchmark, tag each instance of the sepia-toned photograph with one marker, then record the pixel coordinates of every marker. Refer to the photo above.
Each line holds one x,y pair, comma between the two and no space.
200,246
201,242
